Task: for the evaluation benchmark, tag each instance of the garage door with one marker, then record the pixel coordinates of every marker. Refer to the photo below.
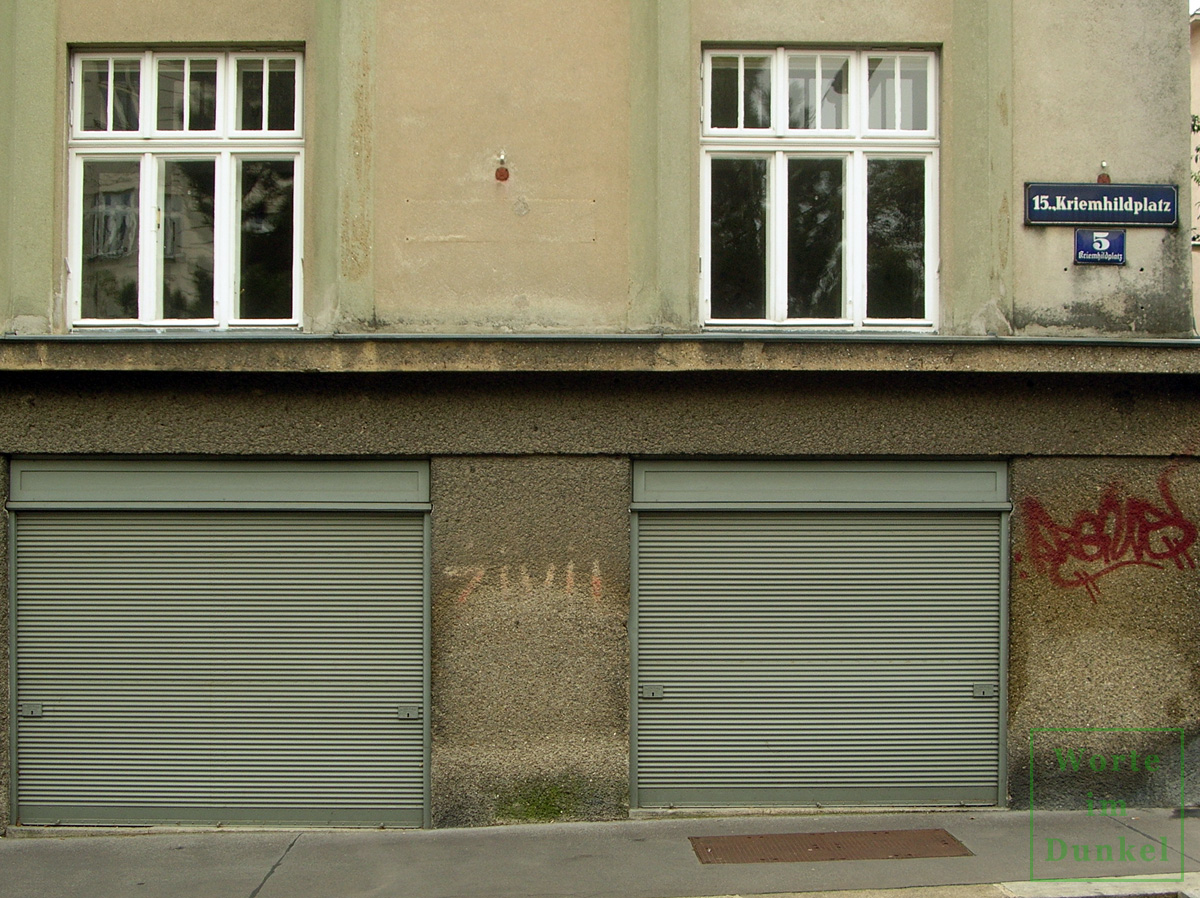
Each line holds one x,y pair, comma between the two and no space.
221,642
818,634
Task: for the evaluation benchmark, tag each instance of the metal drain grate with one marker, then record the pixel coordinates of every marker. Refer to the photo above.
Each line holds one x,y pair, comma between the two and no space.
856,846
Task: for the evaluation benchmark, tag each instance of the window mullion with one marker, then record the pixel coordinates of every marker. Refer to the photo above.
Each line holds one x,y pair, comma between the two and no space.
898,123
75,240
266,92
780,98
856,260
705,236
297,238
778,237
226,89
158,245
147,96
932,255
223,240
148,212
108,112
818,100
777,257
741,88
76,96
187,94
853,112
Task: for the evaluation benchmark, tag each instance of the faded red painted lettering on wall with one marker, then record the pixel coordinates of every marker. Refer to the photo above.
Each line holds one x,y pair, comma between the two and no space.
474,577
1122,531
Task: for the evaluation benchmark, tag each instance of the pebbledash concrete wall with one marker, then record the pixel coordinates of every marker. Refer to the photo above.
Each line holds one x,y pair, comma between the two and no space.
1104,613
530,649
531,491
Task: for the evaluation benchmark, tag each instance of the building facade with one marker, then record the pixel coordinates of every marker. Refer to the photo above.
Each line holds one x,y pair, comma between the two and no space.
438,414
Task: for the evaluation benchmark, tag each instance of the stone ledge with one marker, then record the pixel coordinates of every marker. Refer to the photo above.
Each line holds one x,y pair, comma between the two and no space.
296,354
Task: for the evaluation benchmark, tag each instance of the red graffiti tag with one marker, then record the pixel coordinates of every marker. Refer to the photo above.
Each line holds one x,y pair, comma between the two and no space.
1119,533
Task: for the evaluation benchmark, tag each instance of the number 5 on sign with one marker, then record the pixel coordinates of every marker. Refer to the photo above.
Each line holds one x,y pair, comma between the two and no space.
1099,247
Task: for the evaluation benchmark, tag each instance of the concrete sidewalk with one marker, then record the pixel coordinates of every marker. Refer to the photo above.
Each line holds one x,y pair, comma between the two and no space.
646,858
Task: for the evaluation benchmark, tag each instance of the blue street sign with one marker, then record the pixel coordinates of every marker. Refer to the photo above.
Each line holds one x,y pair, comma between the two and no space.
1137,205
1099,247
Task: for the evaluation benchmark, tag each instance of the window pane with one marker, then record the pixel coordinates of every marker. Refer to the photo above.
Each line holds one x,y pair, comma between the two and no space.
170,95
895,238
881,92
724,112
802,92
758,92
110,239
815,238
281,100
738,282
188,189
95,94
914,93
265,272
250,94
127,79
835,78
202,96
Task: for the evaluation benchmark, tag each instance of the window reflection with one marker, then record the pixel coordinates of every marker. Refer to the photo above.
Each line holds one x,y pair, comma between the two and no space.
188,192
739,238
265,275
757,99
724,107
895,238
110,239
815,225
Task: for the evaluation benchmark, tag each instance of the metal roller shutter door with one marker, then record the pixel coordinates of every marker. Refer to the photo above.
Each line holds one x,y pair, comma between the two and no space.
809,657
210,666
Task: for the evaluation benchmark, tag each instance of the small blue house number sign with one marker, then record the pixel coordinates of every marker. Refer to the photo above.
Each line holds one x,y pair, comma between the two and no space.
1099,247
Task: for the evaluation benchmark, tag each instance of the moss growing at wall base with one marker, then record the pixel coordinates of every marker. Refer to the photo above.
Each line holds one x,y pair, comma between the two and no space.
539,801
482,785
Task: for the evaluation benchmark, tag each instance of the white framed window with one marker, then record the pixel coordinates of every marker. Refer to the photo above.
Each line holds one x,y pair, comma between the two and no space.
819,188
185,189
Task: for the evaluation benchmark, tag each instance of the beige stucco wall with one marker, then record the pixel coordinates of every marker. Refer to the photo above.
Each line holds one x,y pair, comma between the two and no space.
7,77
29,255
1105,84
408,105
1194,189
459,250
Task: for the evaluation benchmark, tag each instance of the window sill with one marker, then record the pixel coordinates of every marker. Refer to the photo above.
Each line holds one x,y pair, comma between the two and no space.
160,327
823,327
